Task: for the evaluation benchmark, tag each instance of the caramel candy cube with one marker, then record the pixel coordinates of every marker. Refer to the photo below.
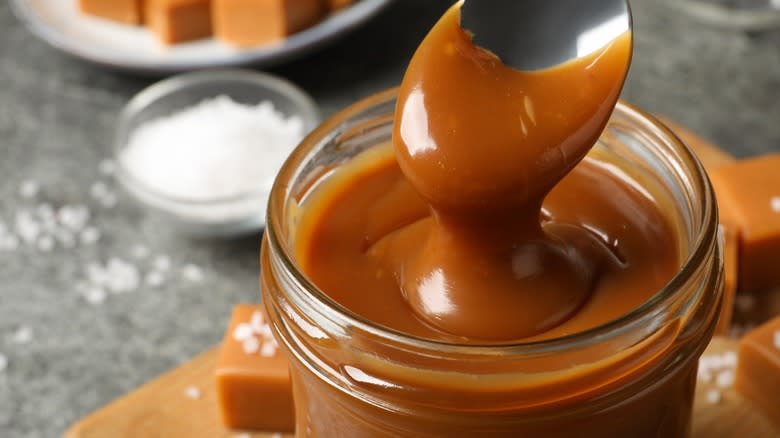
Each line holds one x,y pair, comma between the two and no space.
252,22
758,369
730,274
175,21
252,375
748,195
123,11
710,156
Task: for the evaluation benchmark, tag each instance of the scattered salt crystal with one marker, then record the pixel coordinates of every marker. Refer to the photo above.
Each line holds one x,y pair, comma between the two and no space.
192,273
713,396
29,189
3,363
22,335
777,339
95,295
268,350
216,149
107,167
140,252
725,379
192,392
265,331
98,190
108,200
89,235
154,279
729,359
251,345
257,322
162,263
45,243
704,375
26,226
122,276
775,204
74,217
242,332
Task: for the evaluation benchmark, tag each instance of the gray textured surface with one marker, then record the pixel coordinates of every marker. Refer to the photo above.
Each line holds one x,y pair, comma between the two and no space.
56,119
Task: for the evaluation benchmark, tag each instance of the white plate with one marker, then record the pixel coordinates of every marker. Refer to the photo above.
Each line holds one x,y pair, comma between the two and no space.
59,23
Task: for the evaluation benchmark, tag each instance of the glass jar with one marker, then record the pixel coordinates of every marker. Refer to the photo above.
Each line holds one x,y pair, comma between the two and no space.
634,376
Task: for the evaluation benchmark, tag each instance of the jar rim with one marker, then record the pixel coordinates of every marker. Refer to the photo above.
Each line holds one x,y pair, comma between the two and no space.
700,248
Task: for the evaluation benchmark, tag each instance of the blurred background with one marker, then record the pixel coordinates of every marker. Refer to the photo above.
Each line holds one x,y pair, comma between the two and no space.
65,357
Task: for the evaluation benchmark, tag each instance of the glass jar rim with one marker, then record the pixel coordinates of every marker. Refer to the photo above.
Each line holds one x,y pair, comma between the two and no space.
700,248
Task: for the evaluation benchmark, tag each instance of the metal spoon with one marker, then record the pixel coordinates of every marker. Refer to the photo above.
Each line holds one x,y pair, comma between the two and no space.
537,34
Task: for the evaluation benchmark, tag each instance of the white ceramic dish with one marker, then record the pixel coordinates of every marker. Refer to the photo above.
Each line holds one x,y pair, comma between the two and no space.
134,49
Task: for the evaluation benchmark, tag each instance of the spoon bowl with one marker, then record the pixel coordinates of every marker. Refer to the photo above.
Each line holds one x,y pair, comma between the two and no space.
537,34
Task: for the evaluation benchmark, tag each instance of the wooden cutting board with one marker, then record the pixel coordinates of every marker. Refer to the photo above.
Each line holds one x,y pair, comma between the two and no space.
161,408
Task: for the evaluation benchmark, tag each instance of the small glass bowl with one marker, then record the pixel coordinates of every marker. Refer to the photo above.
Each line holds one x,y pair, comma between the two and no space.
219,217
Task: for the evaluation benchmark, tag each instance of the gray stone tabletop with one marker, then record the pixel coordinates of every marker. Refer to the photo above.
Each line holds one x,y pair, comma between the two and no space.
66,357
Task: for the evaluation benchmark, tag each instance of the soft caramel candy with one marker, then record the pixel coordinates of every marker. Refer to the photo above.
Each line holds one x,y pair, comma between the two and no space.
252,375
710,156
334,5
123,11
758,369
730,274
175,21
749,198
252,22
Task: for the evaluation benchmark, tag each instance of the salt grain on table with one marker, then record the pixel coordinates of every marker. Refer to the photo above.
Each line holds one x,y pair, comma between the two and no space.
192,392
89,236
192,273
725,379
713,396
22,335
154,279
216,149
162,263
29,189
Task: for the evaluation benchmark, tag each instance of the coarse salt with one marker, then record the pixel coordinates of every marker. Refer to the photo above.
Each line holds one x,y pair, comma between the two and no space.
242,332
725,379
154,279
713,396
214,150
22,335
192,392
192,273
268,349
251,345
29,189
162,263
257,322
775,204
